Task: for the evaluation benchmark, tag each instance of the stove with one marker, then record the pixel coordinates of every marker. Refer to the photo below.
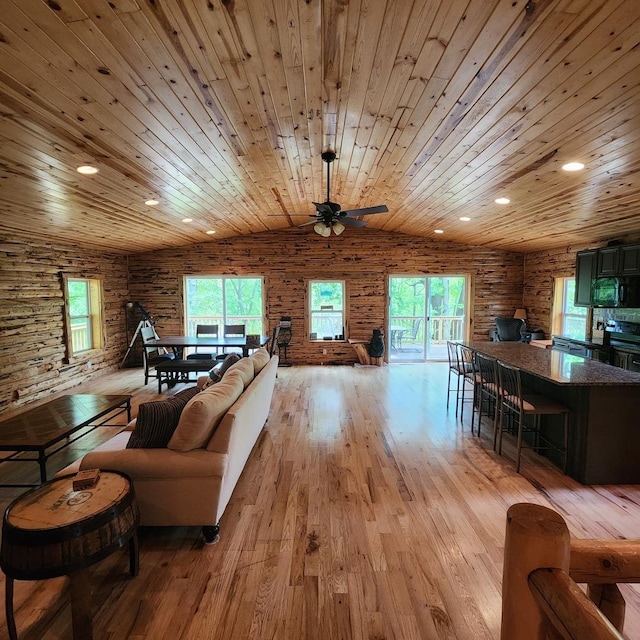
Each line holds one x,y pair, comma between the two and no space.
624,338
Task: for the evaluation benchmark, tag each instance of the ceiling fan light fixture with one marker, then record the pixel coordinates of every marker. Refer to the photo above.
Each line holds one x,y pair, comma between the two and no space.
321,229
338,228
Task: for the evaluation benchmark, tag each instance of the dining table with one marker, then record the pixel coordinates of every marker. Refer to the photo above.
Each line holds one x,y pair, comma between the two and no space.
178,343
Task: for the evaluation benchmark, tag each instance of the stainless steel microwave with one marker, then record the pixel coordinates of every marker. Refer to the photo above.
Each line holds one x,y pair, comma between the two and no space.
616,292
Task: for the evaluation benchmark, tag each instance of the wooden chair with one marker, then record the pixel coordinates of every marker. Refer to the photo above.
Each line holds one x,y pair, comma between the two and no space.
151,356
274,340
201,331
231,331
517,404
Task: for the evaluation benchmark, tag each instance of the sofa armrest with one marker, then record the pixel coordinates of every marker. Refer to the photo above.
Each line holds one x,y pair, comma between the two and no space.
158,463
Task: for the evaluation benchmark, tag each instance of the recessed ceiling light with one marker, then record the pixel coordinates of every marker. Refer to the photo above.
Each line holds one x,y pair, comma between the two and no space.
187,219
152,203
573,166
438,231
503,200
465,218
210,232
87,170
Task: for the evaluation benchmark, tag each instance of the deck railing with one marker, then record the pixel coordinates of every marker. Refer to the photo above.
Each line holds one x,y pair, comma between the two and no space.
542,566
79,338
442,328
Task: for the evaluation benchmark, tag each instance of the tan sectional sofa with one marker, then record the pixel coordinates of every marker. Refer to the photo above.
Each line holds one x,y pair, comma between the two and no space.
190,481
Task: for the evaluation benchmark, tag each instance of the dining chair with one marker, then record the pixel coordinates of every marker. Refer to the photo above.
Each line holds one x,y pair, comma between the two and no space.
231,331
203,330
489,391
517,404
274,340
151,356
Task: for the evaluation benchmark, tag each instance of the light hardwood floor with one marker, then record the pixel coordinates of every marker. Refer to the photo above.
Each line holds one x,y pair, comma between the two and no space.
366,511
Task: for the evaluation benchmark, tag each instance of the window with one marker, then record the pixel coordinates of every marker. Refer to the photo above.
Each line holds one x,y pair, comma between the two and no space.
224,300
568,320
326,309
84,315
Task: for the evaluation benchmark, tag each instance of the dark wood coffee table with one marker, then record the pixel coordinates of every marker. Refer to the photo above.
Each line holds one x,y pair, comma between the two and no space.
49,427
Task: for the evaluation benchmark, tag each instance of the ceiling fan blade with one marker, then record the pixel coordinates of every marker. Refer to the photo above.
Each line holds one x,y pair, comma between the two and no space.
314,221
350,222
365,211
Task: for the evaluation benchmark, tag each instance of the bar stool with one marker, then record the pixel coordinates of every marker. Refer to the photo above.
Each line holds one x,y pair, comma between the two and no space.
469,376
489,391
519,405
457,368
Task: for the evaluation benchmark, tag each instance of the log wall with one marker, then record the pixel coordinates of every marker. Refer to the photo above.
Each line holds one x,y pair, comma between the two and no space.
32,346
364,259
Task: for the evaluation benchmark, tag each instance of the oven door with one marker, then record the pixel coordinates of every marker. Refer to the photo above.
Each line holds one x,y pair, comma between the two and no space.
633,362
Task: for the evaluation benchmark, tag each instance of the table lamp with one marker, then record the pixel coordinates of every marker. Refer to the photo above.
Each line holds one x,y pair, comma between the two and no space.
521,314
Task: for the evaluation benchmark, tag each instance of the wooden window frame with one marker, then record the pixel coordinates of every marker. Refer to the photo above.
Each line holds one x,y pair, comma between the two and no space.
96,315
310,311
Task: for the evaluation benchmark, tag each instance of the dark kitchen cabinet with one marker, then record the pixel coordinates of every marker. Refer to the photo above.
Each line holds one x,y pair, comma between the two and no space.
586,264
629,260
608,259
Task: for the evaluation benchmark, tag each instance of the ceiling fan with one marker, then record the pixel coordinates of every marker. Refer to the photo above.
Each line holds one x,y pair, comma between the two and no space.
330,216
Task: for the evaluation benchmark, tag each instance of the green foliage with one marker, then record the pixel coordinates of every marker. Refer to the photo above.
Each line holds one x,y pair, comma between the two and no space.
446,296
78,294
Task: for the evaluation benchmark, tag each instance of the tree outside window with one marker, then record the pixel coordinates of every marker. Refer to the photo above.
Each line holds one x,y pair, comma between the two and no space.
224,300
326,309
84,314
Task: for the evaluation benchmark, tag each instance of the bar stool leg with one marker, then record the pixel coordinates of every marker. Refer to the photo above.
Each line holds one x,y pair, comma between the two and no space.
566,443
8,606
519,445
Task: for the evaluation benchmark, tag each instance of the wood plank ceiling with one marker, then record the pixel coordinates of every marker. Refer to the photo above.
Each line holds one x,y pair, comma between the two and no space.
220,109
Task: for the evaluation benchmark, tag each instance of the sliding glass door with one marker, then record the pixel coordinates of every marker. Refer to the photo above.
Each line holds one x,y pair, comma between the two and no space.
425,312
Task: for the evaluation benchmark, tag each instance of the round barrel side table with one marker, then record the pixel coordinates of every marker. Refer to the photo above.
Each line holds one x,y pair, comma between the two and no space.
53,530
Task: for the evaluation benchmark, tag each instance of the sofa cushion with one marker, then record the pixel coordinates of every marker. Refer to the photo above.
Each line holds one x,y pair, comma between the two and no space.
203,413
259,358
245,367
221,368
157,420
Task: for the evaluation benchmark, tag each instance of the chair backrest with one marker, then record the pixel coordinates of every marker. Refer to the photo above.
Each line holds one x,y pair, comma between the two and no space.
467,360
508,329
511,385
207,330
487,369
452,353
274,340
234,330
149,333
416,328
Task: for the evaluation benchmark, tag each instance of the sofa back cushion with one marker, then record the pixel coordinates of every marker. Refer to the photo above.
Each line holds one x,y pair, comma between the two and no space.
203,413
259,359
157,420
245,367
216,374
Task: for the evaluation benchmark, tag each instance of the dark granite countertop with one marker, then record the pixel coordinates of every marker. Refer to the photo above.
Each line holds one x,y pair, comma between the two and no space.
557,366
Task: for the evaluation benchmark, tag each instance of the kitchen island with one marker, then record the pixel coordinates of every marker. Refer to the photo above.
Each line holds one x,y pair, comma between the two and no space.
604,424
